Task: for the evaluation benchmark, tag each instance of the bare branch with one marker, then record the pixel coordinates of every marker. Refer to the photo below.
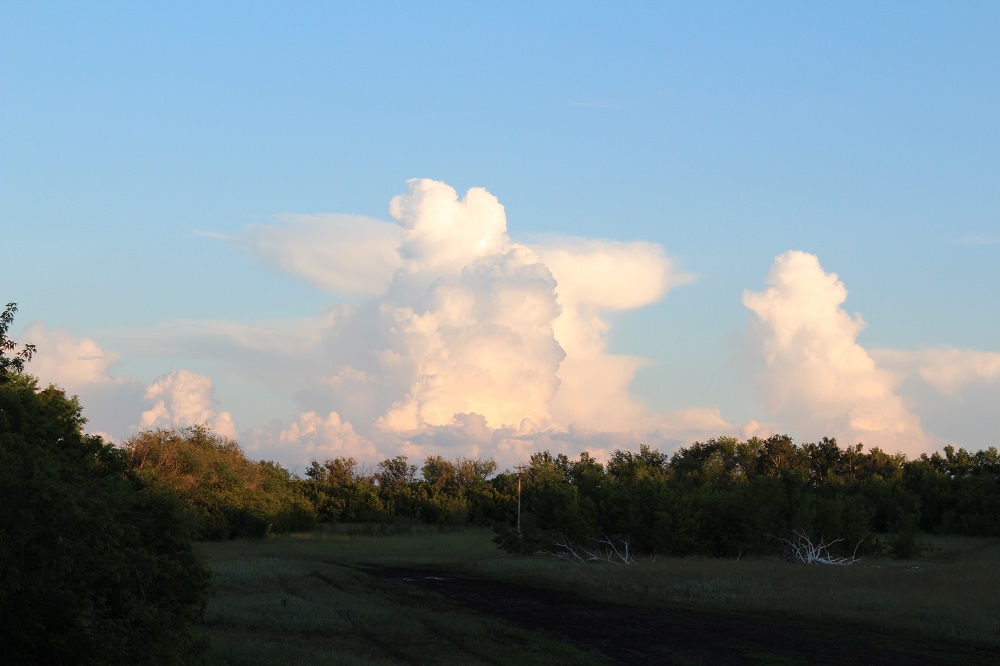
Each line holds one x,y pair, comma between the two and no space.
802,550
604,549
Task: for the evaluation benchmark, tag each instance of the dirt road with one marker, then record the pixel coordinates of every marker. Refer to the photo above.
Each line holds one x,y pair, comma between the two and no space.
628,634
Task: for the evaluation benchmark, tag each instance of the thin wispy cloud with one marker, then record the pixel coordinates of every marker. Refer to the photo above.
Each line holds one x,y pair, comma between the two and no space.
975,239
601,104
211,234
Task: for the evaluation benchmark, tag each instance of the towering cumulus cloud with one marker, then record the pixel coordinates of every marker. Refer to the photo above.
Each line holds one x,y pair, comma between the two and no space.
462,329
447,337
814,371
471,312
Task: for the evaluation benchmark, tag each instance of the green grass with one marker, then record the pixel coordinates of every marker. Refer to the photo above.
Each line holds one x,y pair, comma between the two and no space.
307,600
311,599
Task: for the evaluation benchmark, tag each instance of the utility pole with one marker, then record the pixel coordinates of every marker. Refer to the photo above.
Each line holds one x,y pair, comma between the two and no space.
520,468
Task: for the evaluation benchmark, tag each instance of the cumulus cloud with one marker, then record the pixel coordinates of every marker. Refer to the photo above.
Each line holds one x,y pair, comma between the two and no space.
608,274
594,276
947,369
815,376
456,339
183,398
956,391
81,367
463,325
443,234
68,361
118,406
310,437
474,323
470,312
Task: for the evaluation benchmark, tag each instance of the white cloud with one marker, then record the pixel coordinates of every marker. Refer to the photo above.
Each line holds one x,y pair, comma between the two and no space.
471,327
469,435
310,437
594,276
81,367
68,361
947,369
485,344
815,375
956,391
342,254
117,406
607,274
444,234
183,398
466,343
474,323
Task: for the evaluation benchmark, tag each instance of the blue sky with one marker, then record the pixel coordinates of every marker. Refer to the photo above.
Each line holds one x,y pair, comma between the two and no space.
142,144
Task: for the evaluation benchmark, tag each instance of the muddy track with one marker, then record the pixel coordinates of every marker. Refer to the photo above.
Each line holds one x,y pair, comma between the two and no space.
627,634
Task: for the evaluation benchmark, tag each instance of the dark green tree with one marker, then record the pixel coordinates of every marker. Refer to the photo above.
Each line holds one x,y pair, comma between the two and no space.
95,567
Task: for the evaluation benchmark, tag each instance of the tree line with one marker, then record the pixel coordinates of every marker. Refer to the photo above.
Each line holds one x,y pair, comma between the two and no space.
722,497
726,498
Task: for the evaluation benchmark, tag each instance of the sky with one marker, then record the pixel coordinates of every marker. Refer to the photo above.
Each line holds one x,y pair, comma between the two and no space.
489,229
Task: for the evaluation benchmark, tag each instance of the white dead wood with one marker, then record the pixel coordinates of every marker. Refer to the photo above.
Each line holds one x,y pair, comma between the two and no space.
803,551
605,549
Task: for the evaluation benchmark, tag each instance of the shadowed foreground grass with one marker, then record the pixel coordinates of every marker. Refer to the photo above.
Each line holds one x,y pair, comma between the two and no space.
305,600
308,599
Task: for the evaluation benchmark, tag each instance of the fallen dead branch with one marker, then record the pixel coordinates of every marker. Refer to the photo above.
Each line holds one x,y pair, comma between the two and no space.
803,551
605,549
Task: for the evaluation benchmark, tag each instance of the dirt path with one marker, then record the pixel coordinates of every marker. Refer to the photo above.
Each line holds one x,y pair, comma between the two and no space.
632,635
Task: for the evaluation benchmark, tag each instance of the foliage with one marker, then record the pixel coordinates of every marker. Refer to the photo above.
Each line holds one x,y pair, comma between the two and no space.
395,472
227,495
450,493
97,567
11,364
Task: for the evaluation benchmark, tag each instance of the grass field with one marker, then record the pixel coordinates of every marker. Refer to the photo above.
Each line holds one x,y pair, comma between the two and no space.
306,600
313,599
